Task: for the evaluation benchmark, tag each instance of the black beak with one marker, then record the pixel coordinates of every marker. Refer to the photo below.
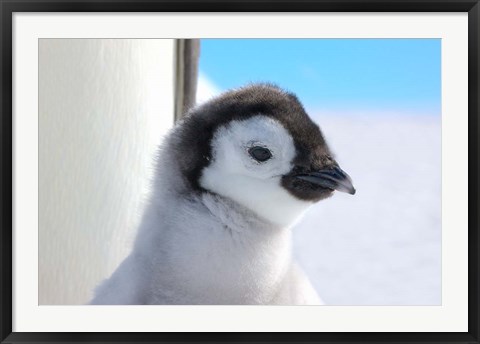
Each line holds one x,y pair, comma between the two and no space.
333,178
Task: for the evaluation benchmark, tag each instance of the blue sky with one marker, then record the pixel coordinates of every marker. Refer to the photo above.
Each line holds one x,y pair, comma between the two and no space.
375,75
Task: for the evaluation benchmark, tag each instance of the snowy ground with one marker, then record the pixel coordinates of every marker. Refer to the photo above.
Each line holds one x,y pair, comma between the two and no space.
381,246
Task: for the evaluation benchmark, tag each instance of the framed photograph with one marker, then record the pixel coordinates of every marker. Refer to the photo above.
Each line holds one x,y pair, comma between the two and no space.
240,172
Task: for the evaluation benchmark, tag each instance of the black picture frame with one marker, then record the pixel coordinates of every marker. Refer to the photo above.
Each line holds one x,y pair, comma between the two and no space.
8,7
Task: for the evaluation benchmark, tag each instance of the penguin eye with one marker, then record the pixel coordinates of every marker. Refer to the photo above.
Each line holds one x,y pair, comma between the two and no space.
260,153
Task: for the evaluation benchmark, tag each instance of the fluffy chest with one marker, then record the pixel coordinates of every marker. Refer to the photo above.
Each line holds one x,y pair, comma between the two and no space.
221,255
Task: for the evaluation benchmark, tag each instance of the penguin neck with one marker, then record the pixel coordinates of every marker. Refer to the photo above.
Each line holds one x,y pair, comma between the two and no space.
235,216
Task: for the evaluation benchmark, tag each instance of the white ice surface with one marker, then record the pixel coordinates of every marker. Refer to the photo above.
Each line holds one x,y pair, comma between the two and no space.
381,246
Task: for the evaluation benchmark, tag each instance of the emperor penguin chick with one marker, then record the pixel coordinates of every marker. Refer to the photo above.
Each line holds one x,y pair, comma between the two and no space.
232,177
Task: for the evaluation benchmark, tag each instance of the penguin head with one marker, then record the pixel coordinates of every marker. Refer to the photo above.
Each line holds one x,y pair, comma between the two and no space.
258,147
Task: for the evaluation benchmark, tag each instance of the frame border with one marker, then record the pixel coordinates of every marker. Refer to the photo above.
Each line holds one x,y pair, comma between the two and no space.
8,7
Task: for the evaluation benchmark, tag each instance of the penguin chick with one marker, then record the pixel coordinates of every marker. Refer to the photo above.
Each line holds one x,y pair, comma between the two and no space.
231,179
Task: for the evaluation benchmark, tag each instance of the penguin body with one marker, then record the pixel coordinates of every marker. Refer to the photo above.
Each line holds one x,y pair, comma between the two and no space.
231,180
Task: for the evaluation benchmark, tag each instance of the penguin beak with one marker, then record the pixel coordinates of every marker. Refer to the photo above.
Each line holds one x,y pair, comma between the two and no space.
332,178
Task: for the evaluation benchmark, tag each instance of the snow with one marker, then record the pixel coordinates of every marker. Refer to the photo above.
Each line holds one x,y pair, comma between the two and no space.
206,89
381,246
